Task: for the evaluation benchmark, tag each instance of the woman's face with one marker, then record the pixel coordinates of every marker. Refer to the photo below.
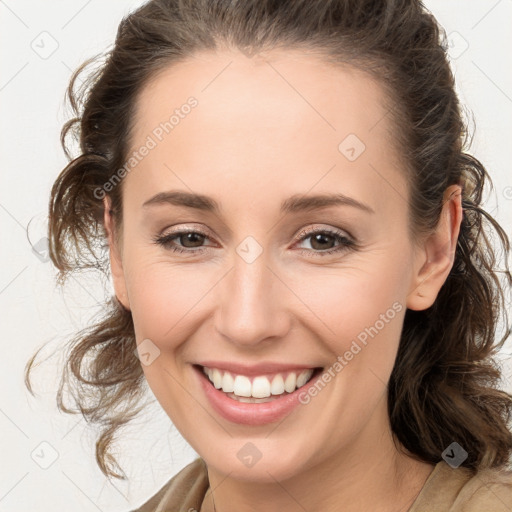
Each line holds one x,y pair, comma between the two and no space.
268,279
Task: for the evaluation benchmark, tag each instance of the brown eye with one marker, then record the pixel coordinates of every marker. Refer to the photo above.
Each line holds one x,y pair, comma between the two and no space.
192,242
191,239
322,241
325,242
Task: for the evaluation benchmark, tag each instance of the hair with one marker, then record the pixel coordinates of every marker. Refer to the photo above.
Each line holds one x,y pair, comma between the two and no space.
445,383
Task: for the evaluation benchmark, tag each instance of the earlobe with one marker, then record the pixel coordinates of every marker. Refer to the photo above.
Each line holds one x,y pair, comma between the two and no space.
116,265
437,255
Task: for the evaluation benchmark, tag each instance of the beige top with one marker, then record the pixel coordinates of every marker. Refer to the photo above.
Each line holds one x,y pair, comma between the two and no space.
445,490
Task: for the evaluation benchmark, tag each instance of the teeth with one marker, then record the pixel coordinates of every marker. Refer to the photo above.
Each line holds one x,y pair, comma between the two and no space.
251,400
260,387
217,378
290,383
303,378
277,387
242,386
228,383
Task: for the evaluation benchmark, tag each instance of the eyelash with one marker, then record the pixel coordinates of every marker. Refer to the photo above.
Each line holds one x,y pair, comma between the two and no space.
345,243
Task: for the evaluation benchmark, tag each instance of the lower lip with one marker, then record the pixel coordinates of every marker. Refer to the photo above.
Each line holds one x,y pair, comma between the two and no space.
250,414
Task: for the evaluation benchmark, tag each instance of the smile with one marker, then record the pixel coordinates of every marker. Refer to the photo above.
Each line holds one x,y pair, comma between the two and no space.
254,395
253,389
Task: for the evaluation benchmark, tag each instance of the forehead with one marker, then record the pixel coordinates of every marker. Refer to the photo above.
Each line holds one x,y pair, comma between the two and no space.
268,92
260,122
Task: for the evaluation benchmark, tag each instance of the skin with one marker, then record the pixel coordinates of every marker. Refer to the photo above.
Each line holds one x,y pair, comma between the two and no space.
265,129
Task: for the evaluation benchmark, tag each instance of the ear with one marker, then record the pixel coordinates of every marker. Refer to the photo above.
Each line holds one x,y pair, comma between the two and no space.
116,265
436,255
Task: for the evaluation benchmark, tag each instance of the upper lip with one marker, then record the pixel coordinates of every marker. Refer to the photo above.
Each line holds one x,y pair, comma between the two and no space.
256,369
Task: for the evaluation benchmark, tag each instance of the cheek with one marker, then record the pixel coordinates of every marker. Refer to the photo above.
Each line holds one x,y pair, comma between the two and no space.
162,296
359,309
168,304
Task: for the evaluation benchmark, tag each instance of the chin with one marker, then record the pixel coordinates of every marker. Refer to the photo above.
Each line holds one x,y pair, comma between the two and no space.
256,461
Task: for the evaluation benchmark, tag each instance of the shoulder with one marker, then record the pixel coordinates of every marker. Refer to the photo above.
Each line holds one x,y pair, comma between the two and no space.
184,491
490,489
461,490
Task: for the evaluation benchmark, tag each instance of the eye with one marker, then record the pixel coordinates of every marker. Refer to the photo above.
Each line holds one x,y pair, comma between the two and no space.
323,242
189,241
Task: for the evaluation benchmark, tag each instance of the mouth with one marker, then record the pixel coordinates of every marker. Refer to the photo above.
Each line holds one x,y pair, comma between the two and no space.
257,389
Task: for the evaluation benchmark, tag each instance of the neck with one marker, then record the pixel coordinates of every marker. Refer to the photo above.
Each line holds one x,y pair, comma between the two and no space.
370,474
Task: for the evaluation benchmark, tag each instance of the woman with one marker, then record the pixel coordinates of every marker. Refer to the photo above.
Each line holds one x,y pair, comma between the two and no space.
298,254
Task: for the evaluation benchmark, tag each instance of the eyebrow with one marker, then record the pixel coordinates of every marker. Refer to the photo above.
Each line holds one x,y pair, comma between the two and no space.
294,203
300,202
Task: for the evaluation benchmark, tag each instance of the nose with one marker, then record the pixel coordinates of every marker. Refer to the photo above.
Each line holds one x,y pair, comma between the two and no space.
252,304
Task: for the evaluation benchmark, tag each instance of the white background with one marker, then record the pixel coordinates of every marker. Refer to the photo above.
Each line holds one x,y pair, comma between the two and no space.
35,311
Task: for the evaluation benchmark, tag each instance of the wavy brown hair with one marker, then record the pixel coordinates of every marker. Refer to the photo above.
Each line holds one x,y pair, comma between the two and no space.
445,384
